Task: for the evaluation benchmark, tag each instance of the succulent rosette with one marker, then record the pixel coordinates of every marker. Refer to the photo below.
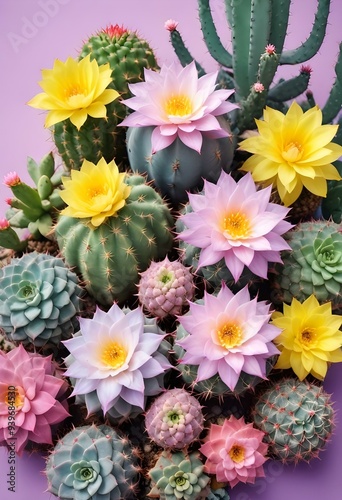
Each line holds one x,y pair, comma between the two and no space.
178,104
174,419
228,334
235,452
234,220
32,398
39,300
92,463
116,361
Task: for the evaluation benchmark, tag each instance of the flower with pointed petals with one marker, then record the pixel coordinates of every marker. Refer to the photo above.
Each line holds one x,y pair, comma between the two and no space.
293,151
235,221
75,89
178,104
171,25
228,334
235,452
310,339
32,398
114,357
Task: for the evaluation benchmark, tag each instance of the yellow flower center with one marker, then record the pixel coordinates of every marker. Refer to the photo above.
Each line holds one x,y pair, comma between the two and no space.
237,453
292,152
14,397
229,335
236,225
308,337
178,105
113,355
95,191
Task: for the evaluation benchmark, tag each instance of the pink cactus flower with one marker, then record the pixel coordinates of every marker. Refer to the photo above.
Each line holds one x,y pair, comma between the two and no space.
235,452
228,334
4,224
33,392
306,68
270,49
258,87
171,25
12,179
178,104
234,220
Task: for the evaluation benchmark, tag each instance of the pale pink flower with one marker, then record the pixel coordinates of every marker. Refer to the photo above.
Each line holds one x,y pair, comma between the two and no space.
270,49
4,224
33,392
12,179
228,334
258,87
235,452
178,104
235,221
171,24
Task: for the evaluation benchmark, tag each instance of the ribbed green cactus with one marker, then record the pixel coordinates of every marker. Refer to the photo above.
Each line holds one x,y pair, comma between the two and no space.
258,32
312,266
332,205
110,257
297,418
128,55
92,463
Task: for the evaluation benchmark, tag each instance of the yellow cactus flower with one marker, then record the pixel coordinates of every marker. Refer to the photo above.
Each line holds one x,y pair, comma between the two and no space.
293,150
95,191
310,337
75,89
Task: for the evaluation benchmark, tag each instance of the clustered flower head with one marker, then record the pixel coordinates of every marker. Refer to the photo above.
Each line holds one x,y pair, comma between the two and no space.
114,357
75,89
311,338
228,334
235,452
178,104
234,221
292,151
32,392
95,191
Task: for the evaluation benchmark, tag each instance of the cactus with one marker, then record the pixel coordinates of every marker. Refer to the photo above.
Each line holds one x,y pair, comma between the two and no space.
331,206
165,288
127,55
33,208
178,476
297,418
258,30
40,298
92,463
110,257
174,419
313,265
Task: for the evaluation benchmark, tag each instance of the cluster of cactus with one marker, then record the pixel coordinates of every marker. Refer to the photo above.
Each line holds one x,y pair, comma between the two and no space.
258,32
297,418
110,257
127,54
33,208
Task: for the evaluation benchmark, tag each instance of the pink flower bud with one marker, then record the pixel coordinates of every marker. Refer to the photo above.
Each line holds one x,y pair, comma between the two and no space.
270,49
171,25
4,224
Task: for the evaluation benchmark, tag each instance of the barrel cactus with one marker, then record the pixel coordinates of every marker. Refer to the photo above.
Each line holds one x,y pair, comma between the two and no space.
174,419
39,300
313,265
297,418
178,476
92,463
135,231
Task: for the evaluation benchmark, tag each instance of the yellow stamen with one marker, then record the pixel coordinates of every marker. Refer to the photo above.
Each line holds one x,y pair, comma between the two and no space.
14,398
308,337
113,355
236,225
229,335
237,453
95,191
292,152
178,105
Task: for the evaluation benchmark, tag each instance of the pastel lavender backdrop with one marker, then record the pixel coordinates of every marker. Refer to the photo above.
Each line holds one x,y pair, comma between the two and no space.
33,33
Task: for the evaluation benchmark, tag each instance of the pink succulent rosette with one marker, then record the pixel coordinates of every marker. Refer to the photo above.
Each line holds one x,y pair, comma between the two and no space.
235,452
178,104
33,392
235,221
228,334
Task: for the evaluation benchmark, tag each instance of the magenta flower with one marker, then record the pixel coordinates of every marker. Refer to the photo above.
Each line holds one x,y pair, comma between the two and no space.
228,334
4,224
235,452
113,359
235,221
32,398
178,104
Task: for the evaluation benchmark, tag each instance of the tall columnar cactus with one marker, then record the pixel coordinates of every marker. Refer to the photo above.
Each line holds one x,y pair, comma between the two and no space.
297,418
110,257
127,54
92,463
258,32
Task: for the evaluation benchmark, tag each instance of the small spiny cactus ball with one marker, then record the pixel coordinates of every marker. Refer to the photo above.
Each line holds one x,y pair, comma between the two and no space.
297,418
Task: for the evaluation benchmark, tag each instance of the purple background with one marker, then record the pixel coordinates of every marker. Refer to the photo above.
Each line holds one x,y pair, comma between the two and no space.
33,34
